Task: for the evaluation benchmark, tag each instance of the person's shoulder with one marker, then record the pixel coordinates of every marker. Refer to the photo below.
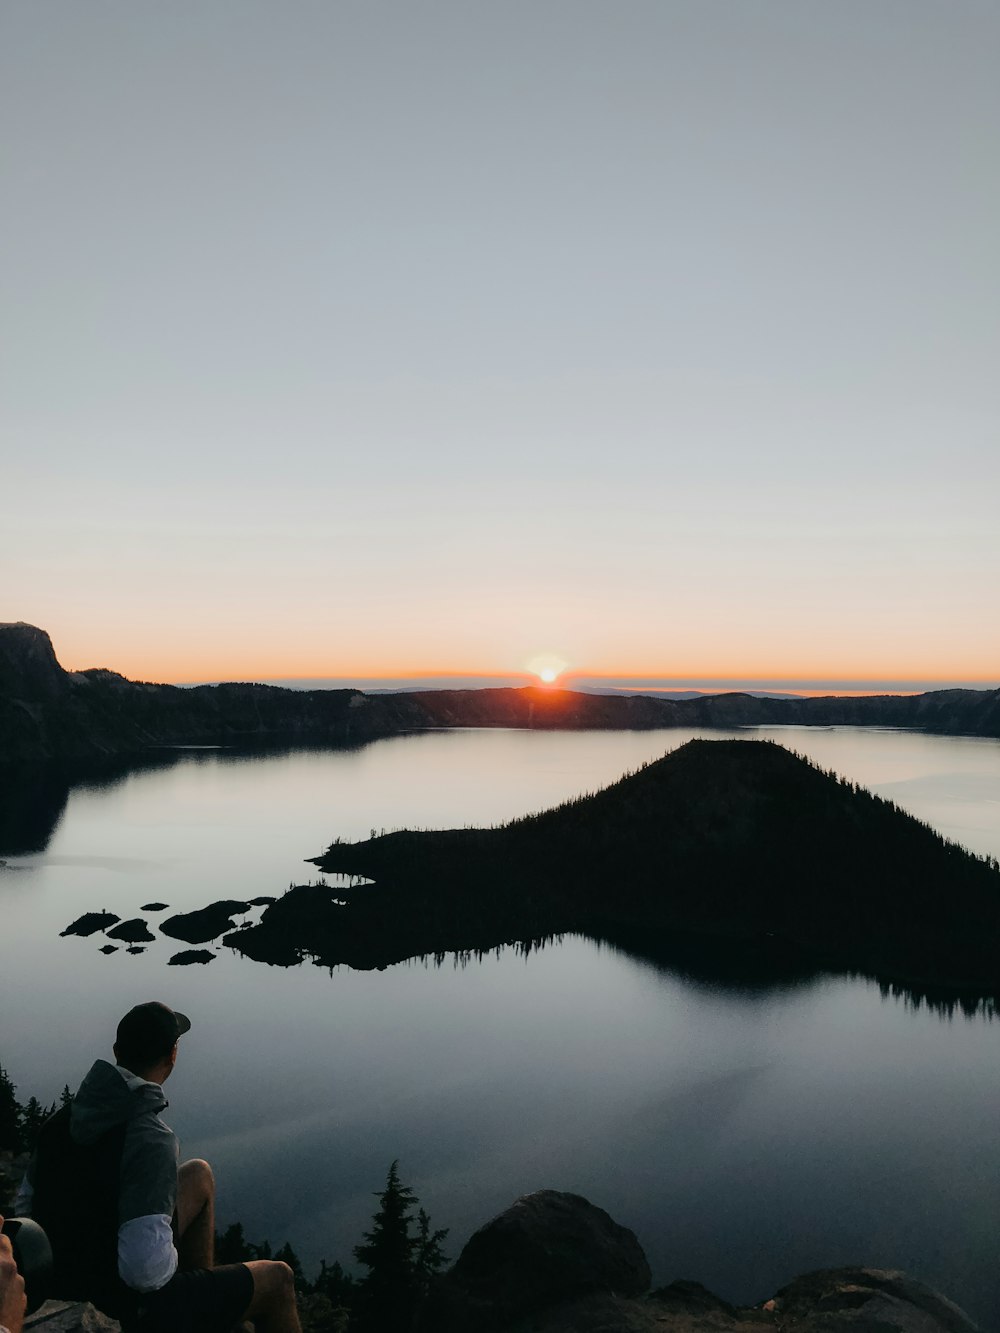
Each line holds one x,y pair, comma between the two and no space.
148,1132
151,1125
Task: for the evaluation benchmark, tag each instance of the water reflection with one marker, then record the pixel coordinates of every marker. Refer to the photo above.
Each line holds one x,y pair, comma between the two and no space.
32,802
942,1002
33,798
715,967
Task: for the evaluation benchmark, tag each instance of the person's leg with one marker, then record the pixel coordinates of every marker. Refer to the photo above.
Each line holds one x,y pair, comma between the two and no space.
195,1215
272,1309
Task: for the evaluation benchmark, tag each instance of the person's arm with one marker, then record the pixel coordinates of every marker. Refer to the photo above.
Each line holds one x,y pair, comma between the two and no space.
12,1298
147,1256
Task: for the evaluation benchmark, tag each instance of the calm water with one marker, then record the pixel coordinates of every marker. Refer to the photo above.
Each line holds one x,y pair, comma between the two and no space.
746,1136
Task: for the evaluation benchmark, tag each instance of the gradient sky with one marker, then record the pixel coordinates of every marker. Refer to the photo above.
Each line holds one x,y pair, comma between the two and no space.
360,338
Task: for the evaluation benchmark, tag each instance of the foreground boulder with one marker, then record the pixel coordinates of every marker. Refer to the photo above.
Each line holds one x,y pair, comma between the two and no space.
866,1298
546,1248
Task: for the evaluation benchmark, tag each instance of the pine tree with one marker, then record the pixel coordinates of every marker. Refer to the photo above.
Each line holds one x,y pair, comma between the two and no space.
387,1291
336,1285
428,1259
11,1139
232,1247
33,1117
399,1264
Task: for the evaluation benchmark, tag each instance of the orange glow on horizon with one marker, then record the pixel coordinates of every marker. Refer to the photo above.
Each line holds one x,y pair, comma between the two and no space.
651,682
184,662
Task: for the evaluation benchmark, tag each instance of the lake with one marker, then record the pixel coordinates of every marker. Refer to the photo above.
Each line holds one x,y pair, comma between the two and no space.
745,1134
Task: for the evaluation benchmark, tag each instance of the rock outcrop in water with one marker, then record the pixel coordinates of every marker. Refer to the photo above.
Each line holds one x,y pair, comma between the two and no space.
47,713
208,923
553,1263
738,845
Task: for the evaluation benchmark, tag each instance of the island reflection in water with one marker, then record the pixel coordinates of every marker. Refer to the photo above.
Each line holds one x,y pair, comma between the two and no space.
745,1131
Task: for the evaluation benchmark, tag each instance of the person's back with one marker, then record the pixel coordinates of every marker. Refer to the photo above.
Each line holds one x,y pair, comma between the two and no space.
105,1184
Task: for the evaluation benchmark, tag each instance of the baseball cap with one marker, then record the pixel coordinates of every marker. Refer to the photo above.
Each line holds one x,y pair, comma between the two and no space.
149,1031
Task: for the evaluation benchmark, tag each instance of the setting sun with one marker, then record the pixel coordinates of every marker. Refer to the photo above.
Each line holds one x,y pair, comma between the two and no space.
546,667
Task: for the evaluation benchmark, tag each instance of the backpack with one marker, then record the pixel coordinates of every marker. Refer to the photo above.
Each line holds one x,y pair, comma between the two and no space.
76,1202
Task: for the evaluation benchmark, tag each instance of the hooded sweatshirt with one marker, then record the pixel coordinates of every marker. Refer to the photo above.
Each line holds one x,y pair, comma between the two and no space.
112,1098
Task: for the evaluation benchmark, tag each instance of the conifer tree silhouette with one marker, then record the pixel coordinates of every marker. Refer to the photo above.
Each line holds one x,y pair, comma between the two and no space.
10,1115
400,1265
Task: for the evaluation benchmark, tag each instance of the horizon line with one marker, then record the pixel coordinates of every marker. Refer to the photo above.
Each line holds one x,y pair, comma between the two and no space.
608,681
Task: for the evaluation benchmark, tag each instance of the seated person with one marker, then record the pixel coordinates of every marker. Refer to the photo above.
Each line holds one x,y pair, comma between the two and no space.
130,1230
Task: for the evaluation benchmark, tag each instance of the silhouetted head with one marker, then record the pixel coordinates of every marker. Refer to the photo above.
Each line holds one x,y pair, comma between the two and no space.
146,1042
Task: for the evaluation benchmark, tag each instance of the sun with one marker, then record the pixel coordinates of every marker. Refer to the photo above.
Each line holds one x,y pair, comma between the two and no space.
547,667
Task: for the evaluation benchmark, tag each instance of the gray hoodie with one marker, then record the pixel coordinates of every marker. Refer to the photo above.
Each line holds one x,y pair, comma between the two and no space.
147,1195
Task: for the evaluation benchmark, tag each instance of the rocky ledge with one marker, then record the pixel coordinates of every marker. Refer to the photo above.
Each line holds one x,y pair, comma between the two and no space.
554,1263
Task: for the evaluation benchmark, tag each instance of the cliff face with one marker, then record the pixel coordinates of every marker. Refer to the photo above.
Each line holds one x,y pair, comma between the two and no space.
47,713
28,666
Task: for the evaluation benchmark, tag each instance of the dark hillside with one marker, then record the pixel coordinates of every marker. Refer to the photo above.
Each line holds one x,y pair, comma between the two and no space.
739,841
48,714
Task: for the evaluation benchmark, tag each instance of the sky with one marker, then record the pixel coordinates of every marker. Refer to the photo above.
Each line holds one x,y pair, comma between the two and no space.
648,340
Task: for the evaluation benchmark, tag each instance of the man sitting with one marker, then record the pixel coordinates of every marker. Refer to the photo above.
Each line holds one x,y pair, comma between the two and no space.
130,1230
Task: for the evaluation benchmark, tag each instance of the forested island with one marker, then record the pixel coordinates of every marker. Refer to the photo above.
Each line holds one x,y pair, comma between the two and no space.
724,857
738,846
49,714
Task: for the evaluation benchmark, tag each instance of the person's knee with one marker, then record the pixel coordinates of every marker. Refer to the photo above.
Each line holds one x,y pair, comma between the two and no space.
284,1278
197,1174
272,1279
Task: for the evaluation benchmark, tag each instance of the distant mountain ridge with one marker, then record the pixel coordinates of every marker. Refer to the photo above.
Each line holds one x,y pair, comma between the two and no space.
47,713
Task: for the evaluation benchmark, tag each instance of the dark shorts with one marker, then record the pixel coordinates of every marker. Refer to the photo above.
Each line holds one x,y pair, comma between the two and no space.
199,1300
